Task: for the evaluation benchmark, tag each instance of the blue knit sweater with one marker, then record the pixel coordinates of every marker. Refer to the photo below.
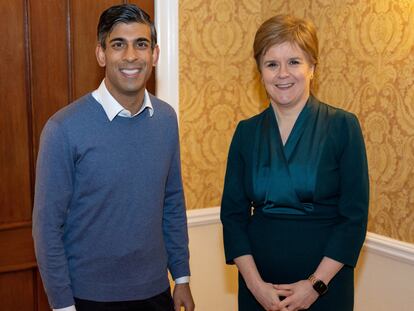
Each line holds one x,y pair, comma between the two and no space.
109,215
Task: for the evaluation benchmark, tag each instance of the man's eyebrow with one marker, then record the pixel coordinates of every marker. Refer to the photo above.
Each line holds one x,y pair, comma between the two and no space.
143,39
117,39
140,39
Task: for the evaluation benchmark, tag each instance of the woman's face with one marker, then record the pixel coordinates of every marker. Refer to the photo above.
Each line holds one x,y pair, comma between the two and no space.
286,74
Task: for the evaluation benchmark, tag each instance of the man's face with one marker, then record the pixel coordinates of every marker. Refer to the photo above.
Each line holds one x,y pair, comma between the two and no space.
128,60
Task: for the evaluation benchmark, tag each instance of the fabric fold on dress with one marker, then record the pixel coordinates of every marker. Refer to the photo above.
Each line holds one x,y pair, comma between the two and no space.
281,174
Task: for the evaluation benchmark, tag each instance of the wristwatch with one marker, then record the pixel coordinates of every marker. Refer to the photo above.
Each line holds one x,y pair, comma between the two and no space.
318,285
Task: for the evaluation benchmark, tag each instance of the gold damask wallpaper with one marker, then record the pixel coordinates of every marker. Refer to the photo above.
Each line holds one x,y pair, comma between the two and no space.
366,66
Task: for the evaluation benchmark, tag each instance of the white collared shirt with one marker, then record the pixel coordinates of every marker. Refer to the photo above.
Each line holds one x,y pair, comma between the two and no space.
113,108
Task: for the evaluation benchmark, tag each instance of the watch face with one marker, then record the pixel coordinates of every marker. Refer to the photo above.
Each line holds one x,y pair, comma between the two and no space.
320,287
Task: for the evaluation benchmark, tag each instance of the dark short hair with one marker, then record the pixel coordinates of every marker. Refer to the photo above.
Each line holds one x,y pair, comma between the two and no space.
124,13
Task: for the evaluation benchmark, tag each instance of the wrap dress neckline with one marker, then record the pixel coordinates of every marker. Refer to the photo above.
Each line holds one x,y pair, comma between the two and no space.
284,176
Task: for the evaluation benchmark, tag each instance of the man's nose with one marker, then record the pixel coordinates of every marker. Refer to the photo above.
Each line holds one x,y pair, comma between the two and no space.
130,53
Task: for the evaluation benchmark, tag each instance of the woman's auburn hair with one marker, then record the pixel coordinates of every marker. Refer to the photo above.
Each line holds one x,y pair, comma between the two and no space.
286,28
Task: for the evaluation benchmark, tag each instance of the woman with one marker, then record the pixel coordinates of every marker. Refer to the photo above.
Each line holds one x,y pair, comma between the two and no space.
295,200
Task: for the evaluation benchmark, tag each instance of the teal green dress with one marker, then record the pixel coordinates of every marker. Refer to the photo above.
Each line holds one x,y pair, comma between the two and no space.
290,205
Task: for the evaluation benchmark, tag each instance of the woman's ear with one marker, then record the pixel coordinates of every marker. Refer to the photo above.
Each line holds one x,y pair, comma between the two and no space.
312,69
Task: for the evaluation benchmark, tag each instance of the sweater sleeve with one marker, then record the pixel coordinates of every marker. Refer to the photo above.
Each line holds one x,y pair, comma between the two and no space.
53,192
235,205
174,216
349,234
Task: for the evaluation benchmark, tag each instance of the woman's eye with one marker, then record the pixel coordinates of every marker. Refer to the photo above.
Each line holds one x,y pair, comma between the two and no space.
294,62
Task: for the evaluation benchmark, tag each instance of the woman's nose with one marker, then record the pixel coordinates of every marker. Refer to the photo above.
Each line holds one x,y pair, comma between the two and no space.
283,70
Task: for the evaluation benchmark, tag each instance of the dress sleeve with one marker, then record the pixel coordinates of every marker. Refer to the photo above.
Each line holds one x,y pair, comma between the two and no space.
235,205
53,192
349,234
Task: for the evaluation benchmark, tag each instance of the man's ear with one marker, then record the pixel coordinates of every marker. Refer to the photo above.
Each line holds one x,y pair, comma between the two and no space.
100,55
155,55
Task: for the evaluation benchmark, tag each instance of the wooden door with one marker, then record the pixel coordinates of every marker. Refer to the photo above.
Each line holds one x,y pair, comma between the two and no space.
47,59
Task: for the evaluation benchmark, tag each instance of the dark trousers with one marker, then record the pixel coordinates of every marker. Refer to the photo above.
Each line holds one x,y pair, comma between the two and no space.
161,302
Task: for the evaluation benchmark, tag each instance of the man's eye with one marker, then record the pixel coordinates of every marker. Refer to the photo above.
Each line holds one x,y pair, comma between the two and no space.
142,45
118,45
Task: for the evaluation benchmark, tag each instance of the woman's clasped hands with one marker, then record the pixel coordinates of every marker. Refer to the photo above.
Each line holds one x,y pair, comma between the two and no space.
285,297
298,296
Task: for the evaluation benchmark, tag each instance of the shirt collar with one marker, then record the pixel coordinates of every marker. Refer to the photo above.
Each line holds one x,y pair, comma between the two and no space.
113,108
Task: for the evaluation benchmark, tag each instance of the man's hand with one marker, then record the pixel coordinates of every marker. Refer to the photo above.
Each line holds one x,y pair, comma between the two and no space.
182,297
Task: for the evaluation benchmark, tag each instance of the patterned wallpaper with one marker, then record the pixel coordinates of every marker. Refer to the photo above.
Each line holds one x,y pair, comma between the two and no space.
366,66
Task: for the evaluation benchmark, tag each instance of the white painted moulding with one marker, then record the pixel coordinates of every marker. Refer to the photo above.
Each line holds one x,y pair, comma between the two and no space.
387,247
203,216
167,76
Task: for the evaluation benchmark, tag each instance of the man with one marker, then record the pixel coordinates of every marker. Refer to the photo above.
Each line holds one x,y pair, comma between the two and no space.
109,215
